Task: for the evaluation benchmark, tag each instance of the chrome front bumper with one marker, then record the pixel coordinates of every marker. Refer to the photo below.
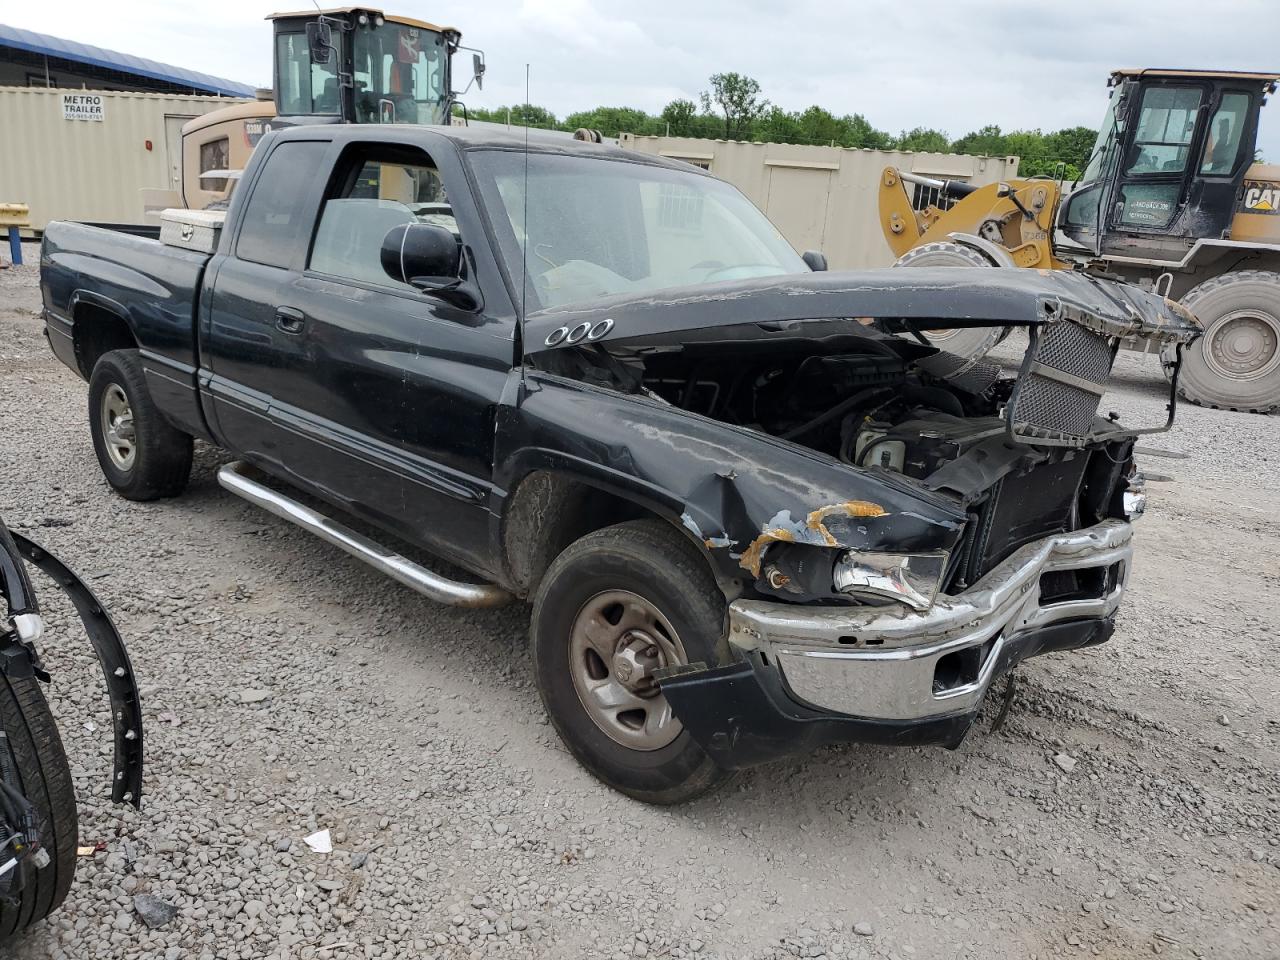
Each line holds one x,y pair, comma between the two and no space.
891,663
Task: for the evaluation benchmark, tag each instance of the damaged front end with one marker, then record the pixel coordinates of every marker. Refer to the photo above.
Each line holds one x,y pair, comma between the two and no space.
893,526
20,632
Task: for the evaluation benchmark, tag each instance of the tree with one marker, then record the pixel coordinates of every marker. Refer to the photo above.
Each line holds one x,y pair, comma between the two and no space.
680,118
518,115
611,121
1074,145
738,97
860,133
923,140
989,141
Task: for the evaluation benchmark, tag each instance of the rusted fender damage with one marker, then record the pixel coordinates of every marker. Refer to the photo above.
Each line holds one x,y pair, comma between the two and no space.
733,489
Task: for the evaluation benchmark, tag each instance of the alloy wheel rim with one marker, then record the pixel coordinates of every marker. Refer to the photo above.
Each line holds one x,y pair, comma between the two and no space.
617,641
118,431
1243,345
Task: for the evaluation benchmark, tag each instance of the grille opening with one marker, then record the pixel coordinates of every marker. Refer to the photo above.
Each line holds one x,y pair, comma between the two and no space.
961,668
1066,586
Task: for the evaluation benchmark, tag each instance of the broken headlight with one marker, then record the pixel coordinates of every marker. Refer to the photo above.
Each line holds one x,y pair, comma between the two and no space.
910,578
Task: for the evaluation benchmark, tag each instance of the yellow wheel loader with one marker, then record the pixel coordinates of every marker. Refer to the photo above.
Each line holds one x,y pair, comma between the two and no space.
348,65
1171,199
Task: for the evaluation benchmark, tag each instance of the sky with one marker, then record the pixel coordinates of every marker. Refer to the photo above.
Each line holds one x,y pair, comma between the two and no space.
954,66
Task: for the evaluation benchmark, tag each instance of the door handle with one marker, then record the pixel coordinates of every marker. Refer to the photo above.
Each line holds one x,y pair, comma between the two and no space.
289,320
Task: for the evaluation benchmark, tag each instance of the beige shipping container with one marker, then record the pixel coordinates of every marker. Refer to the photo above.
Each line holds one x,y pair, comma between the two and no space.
821,198
89,154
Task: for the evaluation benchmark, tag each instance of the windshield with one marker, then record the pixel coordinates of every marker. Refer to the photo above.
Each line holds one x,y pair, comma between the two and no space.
1102,147
598,227
400,74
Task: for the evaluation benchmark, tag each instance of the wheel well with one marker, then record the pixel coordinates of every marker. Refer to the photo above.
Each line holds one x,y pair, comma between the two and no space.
547,512
96,331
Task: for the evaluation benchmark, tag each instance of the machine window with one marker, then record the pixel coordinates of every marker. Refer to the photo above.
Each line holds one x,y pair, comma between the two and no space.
1166,126
377,195
214,155
1223,144
302,86
278,218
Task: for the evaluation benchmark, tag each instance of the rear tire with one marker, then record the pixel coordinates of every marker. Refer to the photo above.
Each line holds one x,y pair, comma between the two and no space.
142,455
969,343
662,593
41,765
1235,365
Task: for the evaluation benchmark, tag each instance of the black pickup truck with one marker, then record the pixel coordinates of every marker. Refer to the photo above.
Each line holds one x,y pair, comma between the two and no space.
753,509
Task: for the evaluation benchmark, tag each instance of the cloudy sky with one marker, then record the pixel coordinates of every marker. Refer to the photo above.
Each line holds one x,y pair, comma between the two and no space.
951,65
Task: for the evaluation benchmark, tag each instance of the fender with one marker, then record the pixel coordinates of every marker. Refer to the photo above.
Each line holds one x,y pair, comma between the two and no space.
122,689
992,251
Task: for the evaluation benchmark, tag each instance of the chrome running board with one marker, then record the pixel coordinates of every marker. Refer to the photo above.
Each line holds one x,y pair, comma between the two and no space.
234,477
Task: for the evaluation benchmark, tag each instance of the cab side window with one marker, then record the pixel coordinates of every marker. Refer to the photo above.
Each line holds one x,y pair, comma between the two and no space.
278,217
377,194
1223,145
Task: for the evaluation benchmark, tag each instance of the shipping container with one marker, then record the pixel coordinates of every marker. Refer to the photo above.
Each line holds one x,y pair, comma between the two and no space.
90,154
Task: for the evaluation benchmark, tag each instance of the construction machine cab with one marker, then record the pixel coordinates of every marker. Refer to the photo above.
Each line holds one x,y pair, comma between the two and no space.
359,65
1169,162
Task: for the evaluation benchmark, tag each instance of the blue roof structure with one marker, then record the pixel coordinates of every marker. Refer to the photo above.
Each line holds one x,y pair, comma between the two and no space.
41,43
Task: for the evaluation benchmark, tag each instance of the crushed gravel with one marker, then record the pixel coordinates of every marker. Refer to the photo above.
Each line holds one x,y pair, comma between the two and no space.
1129,806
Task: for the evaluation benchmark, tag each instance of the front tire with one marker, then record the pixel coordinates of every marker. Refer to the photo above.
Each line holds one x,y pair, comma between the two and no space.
616,605
141,454
1235,365
35,751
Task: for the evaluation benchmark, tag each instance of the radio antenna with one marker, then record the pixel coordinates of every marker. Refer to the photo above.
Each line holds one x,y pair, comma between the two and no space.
524,226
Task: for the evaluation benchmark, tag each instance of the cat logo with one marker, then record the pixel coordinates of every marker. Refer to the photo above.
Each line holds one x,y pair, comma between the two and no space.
1261,197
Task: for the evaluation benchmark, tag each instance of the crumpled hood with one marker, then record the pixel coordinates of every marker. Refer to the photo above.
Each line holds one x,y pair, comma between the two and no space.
844,301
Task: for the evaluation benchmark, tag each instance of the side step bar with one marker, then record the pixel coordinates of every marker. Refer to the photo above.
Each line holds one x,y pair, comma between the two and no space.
234,477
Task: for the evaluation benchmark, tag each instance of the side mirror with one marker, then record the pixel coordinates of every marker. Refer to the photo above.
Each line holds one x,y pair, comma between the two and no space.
477,70
429,258
817,261
320,41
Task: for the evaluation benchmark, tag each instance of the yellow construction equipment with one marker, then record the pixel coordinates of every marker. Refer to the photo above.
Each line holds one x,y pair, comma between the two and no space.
1171,199
345,65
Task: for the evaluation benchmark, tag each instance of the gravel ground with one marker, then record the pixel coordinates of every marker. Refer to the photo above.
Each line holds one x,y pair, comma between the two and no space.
1129,806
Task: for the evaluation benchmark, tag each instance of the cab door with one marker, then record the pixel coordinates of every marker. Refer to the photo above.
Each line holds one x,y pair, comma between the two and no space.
1158,160
252,344
389,411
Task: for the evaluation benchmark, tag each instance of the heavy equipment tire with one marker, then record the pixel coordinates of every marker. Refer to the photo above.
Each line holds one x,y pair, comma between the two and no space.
613,606
142,455
35,750
967,343
1235,365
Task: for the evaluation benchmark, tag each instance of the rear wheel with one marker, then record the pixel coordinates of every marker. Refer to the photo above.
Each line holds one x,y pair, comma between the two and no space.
142,455
967,343
35,754
614,607
1235,365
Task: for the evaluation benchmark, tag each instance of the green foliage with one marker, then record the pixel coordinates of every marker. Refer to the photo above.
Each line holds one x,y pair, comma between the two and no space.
611,121
923,140
518,115
738,98
734,109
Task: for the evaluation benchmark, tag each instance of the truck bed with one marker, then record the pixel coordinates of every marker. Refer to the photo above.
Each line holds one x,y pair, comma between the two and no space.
97,281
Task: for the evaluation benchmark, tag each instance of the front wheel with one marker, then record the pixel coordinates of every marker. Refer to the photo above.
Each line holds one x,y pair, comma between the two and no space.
142,455
968,343
614,607
1236,362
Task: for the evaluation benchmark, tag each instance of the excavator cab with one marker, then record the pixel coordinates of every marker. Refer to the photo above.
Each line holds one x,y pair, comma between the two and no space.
1169,164
359,65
